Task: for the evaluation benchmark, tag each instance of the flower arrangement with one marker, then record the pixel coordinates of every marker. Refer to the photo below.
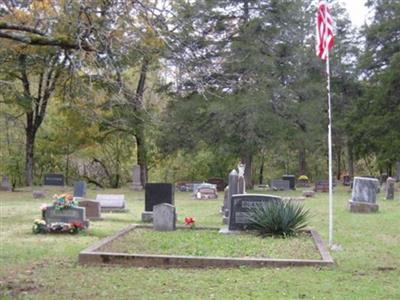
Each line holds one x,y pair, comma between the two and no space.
190,221
40,226
64,201
303,178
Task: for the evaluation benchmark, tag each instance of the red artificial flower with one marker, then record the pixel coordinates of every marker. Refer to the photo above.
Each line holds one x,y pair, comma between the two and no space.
77,224
189,220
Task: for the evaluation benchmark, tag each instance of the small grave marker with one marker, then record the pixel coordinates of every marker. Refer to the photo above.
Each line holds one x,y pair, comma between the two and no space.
80,189
280,185
390,182
164,217
322,186
93,209
136,182
291,179
5,184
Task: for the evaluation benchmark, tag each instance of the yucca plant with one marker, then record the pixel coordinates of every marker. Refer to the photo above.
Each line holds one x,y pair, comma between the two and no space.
278,218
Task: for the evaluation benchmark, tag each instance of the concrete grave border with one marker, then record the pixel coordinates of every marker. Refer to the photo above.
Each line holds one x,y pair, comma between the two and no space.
89,256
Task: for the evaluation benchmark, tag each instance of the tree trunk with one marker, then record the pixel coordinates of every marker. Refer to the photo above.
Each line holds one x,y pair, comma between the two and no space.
29,150
140,134
339,162
302,161
247,160
350,159
261,174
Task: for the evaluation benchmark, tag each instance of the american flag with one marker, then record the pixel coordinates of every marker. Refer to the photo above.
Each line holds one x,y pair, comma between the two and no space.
325,38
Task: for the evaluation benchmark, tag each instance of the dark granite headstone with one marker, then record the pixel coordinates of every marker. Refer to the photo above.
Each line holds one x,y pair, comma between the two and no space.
322,186
66,215
240,204
280,185
80,189
346,180
93,209
157,193
54,179
291,179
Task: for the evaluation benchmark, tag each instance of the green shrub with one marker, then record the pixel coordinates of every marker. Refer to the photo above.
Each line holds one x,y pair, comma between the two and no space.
278,218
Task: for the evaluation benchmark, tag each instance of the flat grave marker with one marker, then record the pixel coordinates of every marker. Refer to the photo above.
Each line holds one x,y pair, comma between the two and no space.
112,203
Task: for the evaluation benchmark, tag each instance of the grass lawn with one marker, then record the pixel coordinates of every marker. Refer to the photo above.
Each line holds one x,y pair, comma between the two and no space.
45,266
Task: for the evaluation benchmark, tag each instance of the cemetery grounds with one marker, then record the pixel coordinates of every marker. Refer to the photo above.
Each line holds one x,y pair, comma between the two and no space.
46,266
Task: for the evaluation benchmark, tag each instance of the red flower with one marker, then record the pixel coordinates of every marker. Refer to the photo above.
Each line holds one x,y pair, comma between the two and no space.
189,221
77,224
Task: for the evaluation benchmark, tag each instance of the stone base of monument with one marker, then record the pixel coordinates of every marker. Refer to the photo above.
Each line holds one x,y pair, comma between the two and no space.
362,207
147,216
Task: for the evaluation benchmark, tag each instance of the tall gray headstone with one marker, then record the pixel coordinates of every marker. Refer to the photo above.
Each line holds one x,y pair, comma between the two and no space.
363,198
390,182
164,217
136,182
233,190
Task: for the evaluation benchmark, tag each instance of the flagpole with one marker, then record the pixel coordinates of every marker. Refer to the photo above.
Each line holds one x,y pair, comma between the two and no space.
328,87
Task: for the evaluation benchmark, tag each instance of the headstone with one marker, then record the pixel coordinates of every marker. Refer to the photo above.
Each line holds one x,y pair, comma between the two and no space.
232,190
218,182
346,180
322,186
390,185
291,179
240,204
38,194
206,193
80,189
363,198
383,178
164,217
280,185
93,209
136,182
5,184
54,179
66,215
111,203
197,186
157,193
